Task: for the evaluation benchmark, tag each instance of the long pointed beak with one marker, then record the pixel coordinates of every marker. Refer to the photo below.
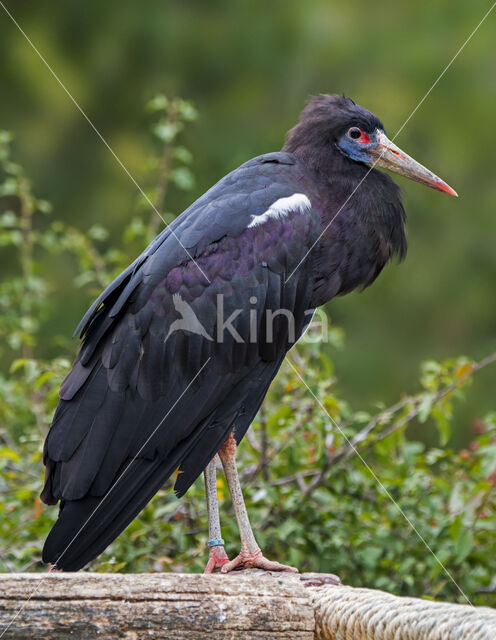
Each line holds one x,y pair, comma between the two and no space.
388,156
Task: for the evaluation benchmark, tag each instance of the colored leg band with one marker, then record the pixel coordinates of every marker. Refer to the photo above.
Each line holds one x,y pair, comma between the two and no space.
215,543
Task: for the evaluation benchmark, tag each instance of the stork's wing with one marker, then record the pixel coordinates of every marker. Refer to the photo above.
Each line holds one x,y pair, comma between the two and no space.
178,351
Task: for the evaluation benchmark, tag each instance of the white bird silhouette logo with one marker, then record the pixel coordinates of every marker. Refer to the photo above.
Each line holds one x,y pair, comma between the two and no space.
188,321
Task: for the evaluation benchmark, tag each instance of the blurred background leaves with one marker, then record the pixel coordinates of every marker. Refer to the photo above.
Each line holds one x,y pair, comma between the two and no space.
247,67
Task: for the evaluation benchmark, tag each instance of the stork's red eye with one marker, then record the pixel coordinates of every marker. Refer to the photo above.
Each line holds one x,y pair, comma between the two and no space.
354,133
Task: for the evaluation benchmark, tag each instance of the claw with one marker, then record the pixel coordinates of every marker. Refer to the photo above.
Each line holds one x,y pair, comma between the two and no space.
255,560
53,569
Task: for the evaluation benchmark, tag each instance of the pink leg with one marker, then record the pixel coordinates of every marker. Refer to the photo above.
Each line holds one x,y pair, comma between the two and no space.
217,557
250,554
53,569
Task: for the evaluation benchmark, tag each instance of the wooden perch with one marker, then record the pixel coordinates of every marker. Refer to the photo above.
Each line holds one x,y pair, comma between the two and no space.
168,605
242,605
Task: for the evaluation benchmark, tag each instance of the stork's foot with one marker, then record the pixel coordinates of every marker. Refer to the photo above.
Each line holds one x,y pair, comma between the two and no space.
248,560
217,558
53,569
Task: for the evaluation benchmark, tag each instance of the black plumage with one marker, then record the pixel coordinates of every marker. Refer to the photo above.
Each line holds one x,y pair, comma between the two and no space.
104,456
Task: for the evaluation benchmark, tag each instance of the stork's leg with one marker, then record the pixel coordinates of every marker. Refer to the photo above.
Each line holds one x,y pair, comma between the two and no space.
217,557
250,555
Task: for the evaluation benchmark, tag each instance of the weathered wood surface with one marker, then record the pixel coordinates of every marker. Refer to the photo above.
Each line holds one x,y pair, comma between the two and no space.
243,605
168,606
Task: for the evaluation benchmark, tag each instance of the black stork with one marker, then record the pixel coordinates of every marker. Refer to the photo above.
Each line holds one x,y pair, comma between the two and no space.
177,353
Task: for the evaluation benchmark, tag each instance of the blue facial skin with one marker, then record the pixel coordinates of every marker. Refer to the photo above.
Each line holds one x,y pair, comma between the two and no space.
355,149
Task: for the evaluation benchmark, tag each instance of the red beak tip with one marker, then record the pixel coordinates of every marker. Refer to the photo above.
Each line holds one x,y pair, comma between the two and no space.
445,188
451,191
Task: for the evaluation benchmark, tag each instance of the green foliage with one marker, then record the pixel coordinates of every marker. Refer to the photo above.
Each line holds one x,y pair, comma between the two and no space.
250,66
329,487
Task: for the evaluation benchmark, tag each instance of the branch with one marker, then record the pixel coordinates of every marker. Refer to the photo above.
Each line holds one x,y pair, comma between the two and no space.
163,172
349,449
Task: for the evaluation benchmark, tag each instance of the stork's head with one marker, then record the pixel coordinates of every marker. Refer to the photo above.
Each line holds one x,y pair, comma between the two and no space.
359,135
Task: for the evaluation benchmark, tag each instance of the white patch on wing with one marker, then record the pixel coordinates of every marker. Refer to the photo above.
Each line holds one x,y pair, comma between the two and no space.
282,207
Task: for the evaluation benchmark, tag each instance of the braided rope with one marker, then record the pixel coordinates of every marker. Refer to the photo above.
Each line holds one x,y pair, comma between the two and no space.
347,613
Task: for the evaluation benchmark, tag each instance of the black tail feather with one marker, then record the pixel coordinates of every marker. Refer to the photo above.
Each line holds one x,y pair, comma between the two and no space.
87,526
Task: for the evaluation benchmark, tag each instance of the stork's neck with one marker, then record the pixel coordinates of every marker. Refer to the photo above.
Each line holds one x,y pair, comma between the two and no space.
362,223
